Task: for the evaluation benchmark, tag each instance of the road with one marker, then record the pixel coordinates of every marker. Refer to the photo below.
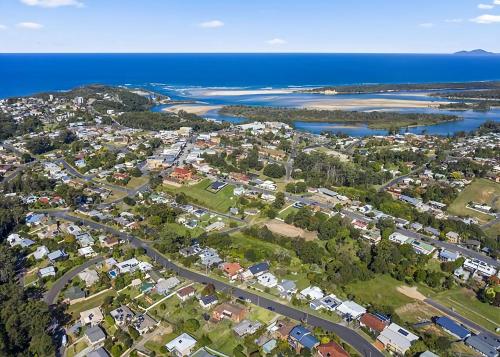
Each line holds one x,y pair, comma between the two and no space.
401,178
459,318
51,295
363,347
452,247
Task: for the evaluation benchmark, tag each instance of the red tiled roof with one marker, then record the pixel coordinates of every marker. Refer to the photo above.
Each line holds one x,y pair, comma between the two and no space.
332,349
373,322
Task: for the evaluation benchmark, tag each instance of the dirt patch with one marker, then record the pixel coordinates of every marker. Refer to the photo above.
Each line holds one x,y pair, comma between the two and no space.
288,230
411,292
416,312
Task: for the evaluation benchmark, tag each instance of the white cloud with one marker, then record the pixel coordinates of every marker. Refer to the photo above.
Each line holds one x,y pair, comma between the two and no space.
426,25
486,19
453,21
52,3
30,25
3,27
276,42
496,2
485,6
212,24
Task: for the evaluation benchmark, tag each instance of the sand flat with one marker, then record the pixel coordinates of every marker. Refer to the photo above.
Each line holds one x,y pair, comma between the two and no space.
339,104
198,109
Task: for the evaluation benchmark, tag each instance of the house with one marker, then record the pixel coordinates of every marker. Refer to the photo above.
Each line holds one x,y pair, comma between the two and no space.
376,323
231,270
46,272
448,256
144,323
328,302
186,293
95,335
399,238
182,174
453,237
396,339
287,288
216,226
300,338
233,312
258,269
479,267
91,317
57,255
350,310
89,276
452,327
269,346
181,345
74,294
122,315
246,327
86,252
268,280
163,286
331,349
40,252
207,302
282,328
100,352
15,239
127,266
484,344
311,293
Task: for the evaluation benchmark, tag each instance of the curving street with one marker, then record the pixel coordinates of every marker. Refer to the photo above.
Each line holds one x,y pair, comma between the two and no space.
350,336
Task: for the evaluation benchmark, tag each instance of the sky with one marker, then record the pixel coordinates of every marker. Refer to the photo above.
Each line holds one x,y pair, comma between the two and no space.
347,26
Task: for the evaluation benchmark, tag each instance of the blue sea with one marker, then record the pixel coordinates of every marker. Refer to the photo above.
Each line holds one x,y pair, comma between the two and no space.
199,76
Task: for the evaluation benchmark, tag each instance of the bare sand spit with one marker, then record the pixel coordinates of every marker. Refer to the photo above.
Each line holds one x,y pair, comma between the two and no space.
336,104
192,108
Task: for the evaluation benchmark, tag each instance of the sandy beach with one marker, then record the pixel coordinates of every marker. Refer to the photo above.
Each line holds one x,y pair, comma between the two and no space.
239,92
192,108
350,104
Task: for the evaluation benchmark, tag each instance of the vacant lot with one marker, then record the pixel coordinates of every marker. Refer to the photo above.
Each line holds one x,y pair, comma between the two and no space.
198,194
288,230
381,290
465,302
481,190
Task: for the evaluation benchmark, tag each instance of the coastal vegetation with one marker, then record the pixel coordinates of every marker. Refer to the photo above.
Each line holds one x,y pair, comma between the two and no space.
167,121
381,88
374,120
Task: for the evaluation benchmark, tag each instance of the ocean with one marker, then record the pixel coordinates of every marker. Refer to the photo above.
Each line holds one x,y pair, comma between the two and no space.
187,76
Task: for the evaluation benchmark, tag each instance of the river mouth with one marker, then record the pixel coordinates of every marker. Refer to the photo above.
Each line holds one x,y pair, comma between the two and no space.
208,101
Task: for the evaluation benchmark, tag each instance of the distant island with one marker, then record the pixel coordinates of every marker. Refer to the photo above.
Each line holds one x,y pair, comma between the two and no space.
477,52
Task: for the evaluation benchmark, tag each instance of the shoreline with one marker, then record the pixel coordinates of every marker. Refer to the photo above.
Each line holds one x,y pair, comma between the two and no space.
192,108
371,103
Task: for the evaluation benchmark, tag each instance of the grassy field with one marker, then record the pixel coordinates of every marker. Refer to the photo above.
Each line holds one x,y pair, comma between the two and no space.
75,309
380,291
465,303
284,213
220,201
74,349
481,190
137,181
492,231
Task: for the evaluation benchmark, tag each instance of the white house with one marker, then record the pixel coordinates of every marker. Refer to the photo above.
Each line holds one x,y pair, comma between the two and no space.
396,339
181,345
350,310
311,293
268,280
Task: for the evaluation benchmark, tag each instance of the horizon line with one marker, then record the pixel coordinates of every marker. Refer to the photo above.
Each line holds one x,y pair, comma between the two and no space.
487,54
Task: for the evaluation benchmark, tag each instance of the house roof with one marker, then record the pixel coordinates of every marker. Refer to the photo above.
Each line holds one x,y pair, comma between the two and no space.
181,343
373,322
332,349
478,344
95,334
210,299
304,337
74,292
231,268
188,290
100,352
259,268
452,327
